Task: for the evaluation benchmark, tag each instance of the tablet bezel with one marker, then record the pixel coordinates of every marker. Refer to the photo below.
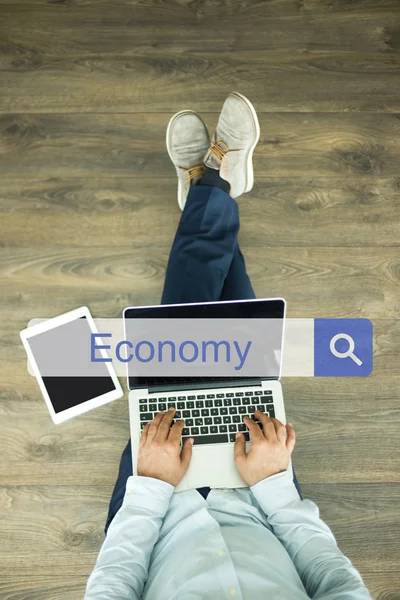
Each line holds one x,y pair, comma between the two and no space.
53,323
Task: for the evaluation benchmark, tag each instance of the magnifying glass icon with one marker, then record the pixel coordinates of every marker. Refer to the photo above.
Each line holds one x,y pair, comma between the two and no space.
349,352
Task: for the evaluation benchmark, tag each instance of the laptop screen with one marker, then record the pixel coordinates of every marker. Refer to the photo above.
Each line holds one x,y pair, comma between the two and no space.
242,309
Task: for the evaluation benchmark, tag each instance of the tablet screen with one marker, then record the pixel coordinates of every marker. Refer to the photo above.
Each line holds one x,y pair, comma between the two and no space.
64,361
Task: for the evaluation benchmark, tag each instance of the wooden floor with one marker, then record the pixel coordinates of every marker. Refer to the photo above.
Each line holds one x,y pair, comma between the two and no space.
88,212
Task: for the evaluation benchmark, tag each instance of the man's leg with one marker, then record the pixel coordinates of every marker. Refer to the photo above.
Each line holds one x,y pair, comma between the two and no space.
237,285
204,247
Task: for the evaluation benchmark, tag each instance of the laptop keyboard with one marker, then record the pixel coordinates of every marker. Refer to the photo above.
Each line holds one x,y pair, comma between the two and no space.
210,418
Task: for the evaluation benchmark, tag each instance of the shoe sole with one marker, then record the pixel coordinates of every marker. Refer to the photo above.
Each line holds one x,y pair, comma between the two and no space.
167,138
249,165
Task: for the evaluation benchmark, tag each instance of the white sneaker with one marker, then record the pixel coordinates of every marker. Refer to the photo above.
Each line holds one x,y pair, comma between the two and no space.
233,143
187,142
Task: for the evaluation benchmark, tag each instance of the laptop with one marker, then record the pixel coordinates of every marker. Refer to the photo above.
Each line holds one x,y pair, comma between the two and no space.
212,407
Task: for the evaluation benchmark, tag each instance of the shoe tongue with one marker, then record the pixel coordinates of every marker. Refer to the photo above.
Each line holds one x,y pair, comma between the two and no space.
212,161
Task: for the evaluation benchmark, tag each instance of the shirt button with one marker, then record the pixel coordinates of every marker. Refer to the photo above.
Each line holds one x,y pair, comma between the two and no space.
221,553
232,592
128,492
212,527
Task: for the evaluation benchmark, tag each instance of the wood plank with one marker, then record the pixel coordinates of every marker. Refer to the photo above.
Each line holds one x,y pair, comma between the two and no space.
348,505
87,212
274,81
291,145
221,8
38,587
229,7
338,430
40,453
64,29
48,280
343,211
70,521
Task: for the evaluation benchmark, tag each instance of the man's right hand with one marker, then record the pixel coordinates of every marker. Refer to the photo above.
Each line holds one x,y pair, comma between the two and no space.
272,444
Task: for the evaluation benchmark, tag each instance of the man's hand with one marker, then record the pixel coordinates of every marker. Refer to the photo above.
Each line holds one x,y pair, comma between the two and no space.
271,447
159,451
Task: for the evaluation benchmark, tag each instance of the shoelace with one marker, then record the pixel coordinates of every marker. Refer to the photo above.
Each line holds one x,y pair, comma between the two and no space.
193,172
219,149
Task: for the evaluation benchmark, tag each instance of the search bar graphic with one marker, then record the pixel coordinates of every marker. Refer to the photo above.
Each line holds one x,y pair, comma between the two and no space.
343,347
311,347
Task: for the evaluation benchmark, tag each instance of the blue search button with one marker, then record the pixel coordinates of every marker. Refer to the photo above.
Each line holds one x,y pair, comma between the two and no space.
342,347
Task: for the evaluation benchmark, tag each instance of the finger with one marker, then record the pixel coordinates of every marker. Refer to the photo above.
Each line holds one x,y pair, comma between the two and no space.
239,449
266,423
175,432
255,431
153,427
144,435
186,453
165,425
291,437
280,429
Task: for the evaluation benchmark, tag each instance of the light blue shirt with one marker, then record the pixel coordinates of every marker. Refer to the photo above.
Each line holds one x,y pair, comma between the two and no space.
258,543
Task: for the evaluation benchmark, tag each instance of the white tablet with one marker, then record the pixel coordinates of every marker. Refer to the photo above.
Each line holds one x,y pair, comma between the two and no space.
59,351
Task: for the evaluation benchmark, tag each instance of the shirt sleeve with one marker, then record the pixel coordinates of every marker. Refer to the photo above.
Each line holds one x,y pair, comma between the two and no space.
122,565
325,572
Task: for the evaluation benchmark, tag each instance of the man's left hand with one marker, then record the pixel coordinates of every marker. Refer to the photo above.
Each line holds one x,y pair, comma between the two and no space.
159,451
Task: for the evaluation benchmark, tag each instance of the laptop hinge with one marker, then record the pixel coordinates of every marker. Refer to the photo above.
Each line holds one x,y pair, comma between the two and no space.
204,385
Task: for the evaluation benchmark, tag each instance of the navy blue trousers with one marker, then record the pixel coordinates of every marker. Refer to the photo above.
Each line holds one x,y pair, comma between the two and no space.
205,265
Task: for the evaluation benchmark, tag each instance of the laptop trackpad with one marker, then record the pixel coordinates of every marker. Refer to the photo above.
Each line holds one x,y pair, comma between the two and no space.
213,466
